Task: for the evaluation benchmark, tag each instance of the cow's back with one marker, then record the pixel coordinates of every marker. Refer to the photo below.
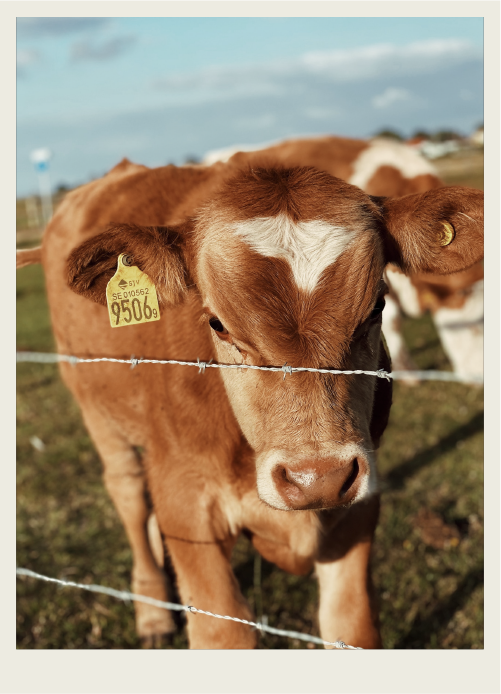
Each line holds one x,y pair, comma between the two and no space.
380,166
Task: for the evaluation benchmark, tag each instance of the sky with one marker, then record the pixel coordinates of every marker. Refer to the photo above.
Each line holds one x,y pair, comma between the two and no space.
161,90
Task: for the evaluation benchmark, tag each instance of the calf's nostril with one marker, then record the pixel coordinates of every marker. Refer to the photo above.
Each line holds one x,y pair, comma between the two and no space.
283,476
350,479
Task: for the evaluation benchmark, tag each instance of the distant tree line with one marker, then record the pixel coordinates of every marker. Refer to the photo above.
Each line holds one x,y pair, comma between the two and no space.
438,136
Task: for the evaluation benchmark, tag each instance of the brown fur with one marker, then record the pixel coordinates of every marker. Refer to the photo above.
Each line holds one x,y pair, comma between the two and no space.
338,156
334,155
414,226
389,181
205,436
450,291
156,250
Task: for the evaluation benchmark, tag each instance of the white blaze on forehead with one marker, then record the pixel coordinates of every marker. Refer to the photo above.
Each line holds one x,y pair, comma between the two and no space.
382,152
309,247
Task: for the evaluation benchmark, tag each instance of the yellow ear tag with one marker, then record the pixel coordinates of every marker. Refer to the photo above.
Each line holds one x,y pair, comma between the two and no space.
447,234
131,295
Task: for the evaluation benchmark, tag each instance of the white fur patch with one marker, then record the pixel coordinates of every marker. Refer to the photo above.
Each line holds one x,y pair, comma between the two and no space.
309,247
381,152
406,292
461,332
391,332
265,485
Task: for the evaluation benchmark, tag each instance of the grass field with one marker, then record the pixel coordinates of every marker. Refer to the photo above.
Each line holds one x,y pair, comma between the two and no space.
428,555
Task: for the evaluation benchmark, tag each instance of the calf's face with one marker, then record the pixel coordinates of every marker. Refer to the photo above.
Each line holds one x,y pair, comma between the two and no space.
288,264
291,273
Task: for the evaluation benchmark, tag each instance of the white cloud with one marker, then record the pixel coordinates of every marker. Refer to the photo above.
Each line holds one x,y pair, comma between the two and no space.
338,66
27,57
57,26
264,121
390,96
90,50
318,113
216,81
388,59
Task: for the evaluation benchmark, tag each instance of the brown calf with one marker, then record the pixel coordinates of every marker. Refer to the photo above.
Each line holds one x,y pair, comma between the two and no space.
389,168
263,266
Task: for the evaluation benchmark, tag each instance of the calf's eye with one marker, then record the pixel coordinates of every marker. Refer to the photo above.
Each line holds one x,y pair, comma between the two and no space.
378,308
216,325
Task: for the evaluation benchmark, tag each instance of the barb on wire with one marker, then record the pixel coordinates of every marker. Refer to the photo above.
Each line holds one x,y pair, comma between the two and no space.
202,365
52,358
126,596
134,362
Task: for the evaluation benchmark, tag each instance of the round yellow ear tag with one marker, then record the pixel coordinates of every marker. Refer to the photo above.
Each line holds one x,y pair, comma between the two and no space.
446,234
131,295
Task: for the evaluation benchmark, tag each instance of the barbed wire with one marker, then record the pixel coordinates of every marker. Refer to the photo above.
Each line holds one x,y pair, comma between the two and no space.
51,358
127,596
428,375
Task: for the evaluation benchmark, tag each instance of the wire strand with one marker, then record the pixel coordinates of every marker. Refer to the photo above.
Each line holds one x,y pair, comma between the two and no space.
127,596
428,375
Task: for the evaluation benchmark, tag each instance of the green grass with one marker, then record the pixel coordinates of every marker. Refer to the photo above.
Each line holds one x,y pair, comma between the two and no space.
431,458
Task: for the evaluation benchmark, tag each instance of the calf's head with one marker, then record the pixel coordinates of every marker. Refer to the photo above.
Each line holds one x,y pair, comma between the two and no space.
288,264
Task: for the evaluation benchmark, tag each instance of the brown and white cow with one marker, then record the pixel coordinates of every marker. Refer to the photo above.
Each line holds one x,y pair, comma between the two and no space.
387,167
261,265
456,304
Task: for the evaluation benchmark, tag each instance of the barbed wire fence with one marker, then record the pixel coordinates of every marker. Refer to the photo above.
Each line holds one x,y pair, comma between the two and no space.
127,597
429,375
53,358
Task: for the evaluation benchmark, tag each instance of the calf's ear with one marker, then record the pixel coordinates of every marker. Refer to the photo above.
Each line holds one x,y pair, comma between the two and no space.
440,231
157,251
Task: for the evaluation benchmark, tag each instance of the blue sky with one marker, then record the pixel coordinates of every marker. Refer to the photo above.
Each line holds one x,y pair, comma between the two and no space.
158,90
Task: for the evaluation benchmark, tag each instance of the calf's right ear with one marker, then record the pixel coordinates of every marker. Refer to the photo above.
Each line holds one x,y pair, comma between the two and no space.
157,251
440,231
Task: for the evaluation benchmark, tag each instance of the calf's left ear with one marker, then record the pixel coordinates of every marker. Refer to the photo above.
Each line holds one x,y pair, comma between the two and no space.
440,231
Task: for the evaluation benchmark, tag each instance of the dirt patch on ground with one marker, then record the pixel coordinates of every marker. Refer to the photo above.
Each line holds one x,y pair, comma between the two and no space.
434,531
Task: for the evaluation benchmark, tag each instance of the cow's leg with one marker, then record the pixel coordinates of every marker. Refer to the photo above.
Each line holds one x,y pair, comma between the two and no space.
401,359
206,581
347,603
199,545
125,481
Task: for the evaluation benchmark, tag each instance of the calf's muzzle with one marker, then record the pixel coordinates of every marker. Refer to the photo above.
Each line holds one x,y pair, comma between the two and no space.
320,483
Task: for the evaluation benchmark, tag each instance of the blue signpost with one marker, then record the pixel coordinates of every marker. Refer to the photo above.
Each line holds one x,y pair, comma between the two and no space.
40,158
